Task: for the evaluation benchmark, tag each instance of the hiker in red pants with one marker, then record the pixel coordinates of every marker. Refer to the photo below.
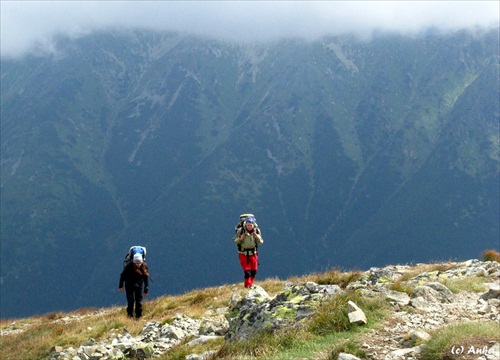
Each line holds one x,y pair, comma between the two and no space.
248,237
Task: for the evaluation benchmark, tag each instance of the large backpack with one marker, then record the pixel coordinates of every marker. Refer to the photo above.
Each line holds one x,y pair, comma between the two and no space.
136,249
240,224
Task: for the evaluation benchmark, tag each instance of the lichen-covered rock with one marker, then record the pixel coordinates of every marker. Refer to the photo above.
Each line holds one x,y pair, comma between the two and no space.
397,297
258,312
216,325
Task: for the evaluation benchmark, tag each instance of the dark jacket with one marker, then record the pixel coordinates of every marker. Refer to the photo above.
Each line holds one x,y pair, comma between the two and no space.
135,278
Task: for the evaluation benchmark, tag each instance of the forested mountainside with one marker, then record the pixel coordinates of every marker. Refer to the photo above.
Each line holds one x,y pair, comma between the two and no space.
350,153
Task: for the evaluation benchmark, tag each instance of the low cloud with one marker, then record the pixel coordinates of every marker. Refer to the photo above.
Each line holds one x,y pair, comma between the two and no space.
32,25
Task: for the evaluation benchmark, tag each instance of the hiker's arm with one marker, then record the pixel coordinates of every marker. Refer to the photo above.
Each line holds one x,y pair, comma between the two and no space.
122,280
258,238
238,236
146,283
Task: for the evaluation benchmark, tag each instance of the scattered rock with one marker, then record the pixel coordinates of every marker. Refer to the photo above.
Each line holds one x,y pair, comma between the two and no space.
403,354
414,337
356,315
153,340
493,293
344,356
433,309
431,306
205,355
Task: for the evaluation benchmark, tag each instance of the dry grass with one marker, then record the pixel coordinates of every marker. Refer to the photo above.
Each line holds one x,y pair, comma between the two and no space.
330,277
491,255
400,286
71,329
193,304
39,334
273,285
425,268
196,303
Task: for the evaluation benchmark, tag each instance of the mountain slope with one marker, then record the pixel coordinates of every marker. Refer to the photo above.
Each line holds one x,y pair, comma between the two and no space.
350,153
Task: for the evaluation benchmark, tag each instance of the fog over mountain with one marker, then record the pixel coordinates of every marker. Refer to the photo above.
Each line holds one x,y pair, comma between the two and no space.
32,26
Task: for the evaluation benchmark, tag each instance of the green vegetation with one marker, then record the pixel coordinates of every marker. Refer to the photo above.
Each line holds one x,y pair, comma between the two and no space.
471,284
459,340
332,317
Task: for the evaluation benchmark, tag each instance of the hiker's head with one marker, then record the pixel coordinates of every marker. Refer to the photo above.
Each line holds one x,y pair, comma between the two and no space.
250,223
137,259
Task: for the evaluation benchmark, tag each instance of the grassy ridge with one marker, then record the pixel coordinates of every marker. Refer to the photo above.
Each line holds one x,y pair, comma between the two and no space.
326,334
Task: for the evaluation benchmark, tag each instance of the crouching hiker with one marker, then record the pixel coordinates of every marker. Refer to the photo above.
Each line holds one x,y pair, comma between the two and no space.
248,237
135,274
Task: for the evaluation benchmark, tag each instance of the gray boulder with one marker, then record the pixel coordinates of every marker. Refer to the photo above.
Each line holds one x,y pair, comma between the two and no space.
493,293
258,312
398,297
434,293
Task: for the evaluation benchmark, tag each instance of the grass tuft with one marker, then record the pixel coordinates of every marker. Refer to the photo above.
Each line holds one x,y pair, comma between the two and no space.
470,284
400,286
347,346
491,255
264,344
332,315
333,277
461,337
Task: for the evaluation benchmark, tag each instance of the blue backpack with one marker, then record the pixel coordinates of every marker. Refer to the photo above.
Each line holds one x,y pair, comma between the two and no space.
136,249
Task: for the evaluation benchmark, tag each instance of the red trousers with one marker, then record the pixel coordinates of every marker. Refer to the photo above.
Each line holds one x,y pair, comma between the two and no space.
249,264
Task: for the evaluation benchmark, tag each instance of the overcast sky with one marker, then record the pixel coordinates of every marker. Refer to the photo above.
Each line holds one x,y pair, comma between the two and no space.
29,24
